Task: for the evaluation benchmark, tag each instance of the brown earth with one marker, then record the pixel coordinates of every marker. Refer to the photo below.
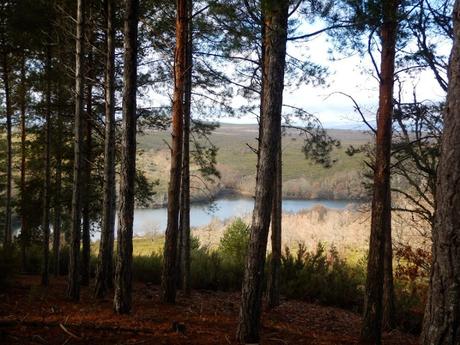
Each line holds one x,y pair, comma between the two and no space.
30,314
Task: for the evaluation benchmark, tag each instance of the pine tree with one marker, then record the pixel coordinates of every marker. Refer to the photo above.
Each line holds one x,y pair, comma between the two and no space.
276,23
381,202
123,273
440,325
104,274
169,274
74,264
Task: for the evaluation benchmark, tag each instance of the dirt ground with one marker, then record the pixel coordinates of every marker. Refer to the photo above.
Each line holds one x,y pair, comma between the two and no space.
30,314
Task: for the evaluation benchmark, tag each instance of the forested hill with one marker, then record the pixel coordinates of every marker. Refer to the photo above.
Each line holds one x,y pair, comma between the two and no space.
302,178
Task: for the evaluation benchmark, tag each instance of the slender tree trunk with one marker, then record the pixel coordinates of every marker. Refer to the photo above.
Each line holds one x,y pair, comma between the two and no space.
47,173
111,262
123,275
57,226
262,78
9,152
87,166
24,230
441,325
275,263
185,195
168,281
389,320
372,319
58,181
276,15
74,271
180,235
103,276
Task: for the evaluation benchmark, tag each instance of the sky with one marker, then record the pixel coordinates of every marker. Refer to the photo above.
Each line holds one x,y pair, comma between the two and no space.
353,75
347,74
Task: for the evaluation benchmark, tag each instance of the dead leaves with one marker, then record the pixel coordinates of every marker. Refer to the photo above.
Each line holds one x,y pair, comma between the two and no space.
207,318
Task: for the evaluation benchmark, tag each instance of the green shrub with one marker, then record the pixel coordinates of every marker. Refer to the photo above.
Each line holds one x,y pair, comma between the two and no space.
322,277
9,265
147,269
232,251
206,269
410,299
233,246
34,259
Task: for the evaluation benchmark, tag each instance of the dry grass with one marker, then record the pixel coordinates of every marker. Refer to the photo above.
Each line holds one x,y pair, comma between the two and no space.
347,230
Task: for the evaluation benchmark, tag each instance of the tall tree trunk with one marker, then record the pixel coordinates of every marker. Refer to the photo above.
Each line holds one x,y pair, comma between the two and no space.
372,319
111,262
9,153
57,226
87,166
24,231
74,271
123,275
441,325
389,309
104,274
185,195
168,279
275,16
47,172
58,181
275,263
262,78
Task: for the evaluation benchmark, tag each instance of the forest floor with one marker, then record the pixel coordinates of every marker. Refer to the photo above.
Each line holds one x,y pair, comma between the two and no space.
31,314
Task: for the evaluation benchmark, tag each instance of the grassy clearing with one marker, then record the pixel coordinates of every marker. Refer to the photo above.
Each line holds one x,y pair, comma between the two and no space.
142,246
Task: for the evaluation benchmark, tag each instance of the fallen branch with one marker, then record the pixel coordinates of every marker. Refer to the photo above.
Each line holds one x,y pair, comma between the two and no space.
69,332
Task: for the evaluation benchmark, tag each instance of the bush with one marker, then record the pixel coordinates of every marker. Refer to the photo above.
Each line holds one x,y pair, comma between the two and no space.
34,259
206,269
322,277
147,269
233,250
233,246
9,265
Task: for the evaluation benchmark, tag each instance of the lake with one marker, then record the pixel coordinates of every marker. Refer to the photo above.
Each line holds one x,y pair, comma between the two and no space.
150,221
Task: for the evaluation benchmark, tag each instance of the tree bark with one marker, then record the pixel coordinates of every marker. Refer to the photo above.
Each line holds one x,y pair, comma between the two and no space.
111,262
87,166
123,274
275,263
104,274
73,290
185,195
169,274
58,181
9,152
441,324
24,231
47,172
381,208
389,309
275,16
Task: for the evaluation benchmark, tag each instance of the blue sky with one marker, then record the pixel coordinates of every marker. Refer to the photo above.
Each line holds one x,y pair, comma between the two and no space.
352,75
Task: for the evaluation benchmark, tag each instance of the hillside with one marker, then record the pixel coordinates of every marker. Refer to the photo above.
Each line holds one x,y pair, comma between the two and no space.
236,162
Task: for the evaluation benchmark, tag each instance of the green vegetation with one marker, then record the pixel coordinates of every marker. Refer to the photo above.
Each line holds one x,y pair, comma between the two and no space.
322,276
302,178
318,275
234,243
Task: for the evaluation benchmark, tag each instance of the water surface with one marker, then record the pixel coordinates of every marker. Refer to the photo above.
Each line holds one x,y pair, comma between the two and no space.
151,221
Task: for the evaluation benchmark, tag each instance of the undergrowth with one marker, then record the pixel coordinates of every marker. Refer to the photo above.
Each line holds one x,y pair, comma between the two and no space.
317,275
